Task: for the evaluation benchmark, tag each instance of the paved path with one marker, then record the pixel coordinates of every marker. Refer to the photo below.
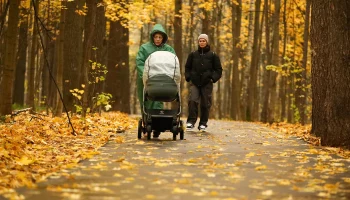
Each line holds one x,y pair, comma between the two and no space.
233,160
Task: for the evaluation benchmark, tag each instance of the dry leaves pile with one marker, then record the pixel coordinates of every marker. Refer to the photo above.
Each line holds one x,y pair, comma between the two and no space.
304,132
34,146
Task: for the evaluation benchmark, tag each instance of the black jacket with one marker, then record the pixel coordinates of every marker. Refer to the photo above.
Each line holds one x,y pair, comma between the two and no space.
203,66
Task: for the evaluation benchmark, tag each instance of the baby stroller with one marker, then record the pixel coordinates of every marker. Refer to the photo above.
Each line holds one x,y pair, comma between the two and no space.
161,79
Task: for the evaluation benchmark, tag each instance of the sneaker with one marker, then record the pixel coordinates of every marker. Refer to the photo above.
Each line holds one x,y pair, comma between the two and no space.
189,126
202,128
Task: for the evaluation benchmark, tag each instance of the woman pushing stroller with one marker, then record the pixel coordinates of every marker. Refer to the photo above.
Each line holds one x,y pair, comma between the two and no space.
158,39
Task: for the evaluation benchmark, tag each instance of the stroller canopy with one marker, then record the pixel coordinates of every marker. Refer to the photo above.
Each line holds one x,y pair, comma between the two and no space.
162,63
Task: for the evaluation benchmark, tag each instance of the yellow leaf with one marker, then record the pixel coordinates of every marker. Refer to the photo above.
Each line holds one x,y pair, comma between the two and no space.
180,191
159,164
213,193
323,194
120,159
129,179
346,179
267,193
250,154
25,161
211,175
262,167
4,153
117,175
150,196
192,160
187,175
183,181
331,187
284,182
119,139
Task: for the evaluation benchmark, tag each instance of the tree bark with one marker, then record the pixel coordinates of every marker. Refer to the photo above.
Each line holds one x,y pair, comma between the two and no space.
236,30
118,67
247,63
330,42
59,64
301,80
123,68
178,47
101,46
252,89
31,67
18,97
266,77
275,62
6,84
89,31
73,51
283,81
219,6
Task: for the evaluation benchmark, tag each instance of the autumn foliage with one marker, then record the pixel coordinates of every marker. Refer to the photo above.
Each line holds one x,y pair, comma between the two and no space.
33,146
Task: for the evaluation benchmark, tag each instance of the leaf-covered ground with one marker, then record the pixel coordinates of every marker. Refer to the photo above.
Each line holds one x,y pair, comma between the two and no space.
304,132
232,161
34,146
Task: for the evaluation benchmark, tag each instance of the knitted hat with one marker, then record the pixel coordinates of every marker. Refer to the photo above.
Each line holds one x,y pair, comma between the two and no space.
204,36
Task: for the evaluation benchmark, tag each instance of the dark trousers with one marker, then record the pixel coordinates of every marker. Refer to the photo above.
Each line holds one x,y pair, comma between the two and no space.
202,95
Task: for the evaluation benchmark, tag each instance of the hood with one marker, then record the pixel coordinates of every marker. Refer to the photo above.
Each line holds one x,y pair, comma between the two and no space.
158,28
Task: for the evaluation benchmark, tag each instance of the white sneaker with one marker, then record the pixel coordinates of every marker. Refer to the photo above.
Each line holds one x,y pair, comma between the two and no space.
202,128
189,126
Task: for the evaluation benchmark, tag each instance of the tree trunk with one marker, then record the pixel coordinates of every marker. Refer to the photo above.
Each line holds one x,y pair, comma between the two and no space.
3,13
178,47
259,61
31,67
101,46
252,89
59,64
266,76
219,6
73,47
18,97
330,41
6,84
236,31
247,64
301,80
275,62
283,82
89,31
206,23
123,74
48,63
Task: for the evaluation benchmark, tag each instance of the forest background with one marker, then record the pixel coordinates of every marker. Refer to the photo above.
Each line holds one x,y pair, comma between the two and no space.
79,55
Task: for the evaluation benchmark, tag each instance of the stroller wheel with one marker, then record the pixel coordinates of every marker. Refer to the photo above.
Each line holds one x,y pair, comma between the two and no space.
139,129
149,132
175,130
181,128
182,134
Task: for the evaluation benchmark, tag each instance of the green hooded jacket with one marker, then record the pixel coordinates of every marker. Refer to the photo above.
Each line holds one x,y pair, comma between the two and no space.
145,50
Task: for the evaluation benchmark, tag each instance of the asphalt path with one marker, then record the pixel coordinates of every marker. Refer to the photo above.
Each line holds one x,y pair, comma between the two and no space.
232,160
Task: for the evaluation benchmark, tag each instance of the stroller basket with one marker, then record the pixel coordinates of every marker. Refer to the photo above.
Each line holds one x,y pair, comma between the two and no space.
161,88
